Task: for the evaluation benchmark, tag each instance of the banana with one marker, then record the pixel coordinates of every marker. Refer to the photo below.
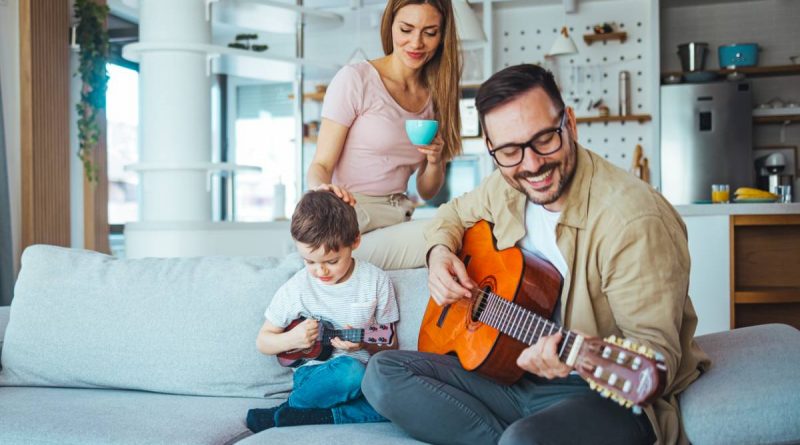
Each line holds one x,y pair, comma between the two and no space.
749,192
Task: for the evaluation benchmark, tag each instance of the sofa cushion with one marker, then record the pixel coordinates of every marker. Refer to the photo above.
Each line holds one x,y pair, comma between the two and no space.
3,323
69,416
411,288
177,325
751,393
363,433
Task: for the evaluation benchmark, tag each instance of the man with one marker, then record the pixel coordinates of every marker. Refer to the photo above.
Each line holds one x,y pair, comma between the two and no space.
622,252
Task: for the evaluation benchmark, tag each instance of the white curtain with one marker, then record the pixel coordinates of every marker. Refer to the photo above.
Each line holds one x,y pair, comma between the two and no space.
6,247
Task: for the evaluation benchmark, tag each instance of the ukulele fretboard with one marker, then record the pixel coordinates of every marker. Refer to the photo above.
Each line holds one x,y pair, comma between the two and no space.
351,335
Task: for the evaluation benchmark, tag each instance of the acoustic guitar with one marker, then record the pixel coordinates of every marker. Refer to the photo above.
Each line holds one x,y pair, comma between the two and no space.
510,311
321,350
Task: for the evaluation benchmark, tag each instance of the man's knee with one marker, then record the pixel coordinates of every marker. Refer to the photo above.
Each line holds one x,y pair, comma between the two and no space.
376,385
521,432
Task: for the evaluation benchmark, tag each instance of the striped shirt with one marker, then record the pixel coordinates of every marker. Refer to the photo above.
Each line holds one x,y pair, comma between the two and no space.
366,298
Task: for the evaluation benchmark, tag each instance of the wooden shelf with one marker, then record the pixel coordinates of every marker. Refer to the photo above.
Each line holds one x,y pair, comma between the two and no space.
757,295
753,71
765,220
766,120
591,38
641,118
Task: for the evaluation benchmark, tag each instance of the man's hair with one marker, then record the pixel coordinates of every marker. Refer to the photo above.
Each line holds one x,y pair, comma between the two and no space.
508,83
322,219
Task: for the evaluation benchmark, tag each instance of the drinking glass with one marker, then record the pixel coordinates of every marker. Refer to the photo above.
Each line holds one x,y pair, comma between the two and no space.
720,193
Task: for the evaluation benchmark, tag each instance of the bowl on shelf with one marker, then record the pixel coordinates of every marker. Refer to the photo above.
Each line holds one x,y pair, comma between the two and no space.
737,55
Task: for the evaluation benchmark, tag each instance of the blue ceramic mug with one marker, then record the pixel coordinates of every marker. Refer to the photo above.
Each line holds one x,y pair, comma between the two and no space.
421,131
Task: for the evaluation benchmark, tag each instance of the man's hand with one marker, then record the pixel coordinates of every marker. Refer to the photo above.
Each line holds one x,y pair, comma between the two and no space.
447,277
305,334
542,358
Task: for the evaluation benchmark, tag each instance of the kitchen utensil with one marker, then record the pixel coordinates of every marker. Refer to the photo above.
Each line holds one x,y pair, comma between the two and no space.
738,54
624,93
693,55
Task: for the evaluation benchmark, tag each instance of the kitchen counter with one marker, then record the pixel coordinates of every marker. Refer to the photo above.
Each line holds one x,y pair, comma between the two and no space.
738,209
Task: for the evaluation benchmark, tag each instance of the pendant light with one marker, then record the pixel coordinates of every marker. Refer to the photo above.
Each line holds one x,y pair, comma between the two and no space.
467,24
564,45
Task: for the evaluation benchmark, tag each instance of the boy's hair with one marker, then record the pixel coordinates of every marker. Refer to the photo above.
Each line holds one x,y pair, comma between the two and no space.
322,219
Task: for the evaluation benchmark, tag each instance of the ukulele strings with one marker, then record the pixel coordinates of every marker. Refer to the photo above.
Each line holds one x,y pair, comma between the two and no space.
570,336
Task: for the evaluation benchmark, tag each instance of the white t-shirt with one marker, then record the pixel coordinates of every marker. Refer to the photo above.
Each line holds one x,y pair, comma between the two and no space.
540,238
366,298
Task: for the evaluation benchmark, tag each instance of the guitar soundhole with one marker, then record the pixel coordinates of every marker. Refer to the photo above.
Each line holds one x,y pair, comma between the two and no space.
480,303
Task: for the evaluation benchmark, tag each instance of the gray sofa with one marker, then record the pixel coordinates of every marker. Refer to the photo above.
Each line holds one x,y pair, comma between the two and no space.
161,351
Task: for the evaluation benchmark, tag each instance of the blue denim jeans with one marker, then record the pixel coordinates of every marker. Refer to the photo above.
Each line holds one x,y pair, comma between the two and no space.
335,384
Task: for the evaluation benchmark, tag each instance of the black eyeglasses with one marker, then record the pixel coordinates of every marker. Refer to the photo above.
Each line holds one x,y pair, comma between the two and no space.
543,143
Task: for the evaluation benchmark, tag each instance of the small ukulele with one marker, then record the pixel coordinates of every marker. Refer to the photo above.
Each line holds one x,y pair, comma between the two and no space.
321,350
516,294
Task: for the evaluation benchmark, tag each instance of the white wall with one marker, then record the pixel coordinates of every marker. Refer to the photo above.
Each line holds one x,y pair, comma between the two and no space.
9,80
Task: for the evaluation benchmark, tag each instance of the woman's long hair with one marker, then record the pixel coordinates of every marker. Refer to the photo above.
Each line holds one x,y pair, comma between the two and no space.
441,75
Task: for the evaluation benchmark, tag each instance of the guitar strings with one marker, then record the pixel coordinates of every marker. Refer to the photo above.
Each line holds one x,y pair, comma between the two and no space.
570,336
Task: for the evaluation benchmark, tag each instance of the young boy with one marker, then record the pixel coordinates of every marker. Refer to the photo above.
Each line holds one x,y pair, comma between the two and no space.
335,287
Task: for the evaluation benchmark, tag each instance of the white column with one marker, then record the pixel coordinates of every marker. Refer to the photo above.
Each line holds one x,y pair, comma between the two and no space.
175,111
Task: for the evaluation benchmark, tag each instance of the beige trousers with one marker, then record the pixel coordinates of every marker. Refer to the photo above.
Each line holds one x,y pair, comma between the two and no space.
389,239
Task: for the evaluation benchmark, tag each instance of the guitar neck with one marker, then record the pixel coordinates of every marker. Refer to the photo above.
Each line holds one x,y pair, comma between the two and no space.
523,325
351,335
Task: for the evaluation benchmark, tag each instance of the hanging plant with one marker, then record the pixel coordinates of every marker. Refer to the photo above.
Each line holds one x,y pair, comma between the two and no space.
92,37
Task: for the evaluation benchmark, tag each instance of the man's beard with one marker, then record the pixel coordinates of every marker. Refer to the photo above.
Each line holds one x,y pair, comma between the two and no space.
565,177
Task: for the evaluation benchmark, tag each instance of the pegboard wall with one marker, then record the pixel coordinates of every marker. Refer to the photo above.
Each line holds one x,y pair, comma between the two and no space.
524,34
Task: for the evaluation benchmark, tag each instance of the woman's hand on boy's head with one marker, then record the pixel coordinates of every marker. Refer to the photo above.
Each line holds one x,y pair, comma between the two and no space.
341,192
347,346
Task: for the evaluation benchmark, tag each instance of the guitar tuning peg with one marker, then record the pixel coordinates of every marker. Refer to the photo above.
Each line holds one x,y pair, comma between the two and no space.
605,393
659,356
637,409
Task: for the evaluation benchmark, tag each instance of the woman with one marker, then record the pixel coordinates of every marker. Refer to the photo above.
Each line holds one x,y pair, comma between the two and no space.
363,154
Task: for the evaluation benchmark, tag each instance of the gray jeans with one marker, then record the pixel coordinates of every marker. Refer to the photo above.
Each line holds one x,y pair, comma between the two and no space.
435,400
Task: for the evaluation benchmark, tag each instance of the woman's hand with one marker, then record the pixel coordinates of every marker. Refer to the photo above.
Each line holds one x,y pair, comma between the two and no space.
341,192
433,152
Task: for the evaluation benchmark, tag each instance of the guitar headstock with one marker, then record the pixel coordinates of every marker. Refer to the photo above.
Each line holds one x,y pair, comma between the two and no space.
630,374
379,334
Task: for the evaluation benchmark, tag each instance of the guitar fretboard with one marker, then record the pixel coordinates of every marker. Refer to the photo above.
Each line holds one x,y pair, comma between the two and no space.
520,323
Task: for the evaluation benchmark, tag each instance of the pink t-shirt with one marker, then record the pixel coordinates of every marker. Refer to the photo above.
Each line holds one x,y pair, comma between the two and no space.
377,158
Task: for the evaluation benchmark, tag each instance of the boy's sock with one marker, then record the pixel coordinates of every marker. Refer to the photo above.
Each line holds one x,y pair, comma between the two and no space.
288,416
262,419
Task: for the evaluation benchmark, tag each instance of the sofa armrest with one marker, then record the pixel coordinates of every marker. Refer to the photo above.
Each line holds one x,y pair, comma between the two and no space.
4,310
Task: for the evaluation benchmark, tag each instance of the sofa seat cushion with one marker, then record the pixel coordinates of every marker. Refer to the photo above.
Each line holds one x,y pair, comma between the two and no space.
751,393
362,433
170,325
67,416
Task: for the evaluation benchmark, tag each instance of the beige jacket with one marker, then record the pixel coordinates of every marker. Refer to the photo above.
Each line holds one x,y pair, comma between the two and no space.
628,258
